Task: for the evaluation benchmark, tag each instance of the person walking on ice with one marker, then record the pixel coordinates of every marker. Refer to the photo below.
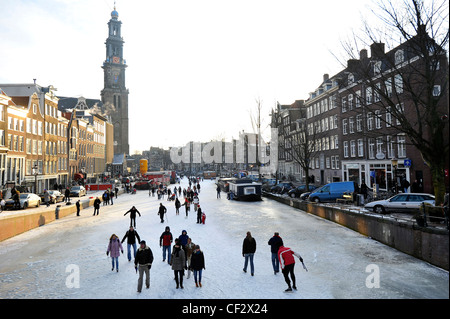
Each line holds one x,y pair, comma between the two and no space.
114,248
287,263
143,263
248,251
197,265
131,236
178,263
133,212
162,210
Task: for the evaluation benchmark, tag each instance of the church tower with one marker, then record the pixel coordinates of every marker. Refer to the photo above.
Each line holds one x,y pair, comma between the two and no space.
114,94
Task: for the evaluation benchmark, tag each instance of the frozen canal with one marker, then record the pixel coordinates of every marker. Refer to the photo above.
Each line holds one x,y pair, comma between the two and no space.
49,262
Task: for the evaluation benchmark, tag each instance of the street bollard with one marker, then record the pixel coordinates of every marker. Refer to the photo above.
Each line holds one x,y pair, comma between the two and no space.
57,211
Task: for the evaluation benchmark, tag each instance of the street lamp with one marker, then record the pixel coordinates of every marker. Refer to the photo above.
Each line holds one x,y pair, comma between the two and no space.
394,162
35,173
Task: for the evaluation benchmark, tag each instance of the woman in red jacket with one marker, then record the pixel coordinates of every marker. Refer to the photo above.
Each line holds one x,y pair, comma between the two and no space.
287,262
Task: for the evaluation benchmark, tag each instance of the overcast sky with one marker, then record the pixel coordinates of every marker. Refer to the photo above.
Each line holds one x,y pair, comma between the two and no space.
195,67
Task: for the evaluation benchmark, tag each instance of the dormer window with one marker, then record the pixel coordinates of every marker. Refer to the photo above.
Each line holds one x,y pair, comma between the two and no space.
377,68
351,79
399,56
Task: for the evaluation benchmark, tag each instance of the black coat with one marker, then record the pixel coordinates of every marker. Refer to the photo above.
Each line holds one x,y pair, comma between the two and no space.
249,246
197,260
144,256
132,212
97,203
131,237
275,243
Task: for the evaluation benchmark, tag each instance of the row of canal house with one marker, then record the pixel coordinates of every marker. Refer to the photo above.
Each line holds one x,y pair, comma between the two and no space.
42,147
351,128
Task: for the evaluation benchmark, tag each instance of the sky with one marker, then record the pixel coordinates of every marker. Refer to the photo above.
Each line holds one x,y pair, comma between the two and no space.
196,68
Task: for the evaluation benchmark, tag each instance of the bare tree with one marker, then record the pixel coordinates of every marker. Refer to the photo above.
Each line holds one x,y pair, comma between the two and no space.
410,84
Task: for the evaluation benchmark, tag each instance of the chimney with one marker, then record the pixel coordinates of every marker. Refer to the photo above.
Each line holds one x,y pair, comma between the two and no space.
376,50
352,65
363,54
325,77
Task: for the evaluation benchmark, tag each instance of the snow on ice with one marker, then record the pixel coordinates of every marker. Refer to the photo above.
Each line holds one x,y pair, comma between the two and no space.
67,258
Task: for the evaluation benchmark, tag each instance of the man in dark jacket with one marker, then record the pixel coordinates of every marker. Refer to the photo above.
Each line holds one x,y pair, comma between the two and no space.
162,211
133,212
96,205
248,251
131,236
165,241
275,243
143,261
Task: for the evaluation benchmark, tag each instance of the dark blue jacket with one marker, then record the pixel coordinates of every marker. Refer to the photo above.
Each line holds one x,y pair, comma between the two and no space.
275,242
183,238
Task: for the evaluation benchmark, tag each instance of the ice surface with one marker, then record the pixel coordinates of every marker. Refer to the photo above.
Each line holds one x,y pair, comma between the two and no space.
38,263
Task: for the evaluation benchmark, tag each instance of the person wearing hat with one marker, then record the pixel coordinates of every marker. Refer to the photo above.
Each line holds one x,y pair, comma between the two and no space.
143,263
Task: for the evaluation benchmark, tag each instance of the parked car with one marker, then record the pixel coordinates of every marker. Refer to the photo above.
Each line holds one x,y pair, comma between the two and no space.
26,200
332,191
296,192
282,187
408,202
77,191
268,184
55,196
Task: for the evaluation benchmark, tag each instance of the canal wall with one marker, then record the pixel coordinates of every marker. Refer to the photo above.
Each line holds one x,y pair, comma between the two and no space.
20,222
426,243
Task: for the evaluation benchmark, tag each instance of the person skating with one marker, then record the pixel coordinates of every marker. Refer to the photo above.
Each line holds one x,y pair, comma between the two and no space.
165,241
131,235
190,247
275,243
96,206
77,204
178,262
133,212
287,262
162,210
114,248
199,215
142,264
197,265
177,206
248,251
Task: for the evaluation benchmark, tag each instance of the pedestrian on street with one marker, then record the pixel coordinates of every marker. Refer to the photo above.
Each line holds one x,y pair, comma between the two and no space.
133,212
162,210
96,206
46,198
183,238
197,265
177,206
143,261
248,251
190,247
178,262
67,195
199,215
131,235
114,247
287,262
218,191
77,204
110,196
105,198
187,205
275,243
165,241
116,190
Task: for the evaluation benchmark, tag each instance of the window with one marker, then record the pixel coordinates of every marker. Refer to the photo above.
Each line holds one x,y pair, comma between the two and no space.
377,68
350,102
344,105
371,148
351,78
369,121
399,56
376,93
436,90
401,145
359,122
360,147
379,145
388,116
398,83
378,119
345,148
369,96
390,147
388,85
352,148
344,126
400,108
358,99
351,125
336,142
331,122
335,121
